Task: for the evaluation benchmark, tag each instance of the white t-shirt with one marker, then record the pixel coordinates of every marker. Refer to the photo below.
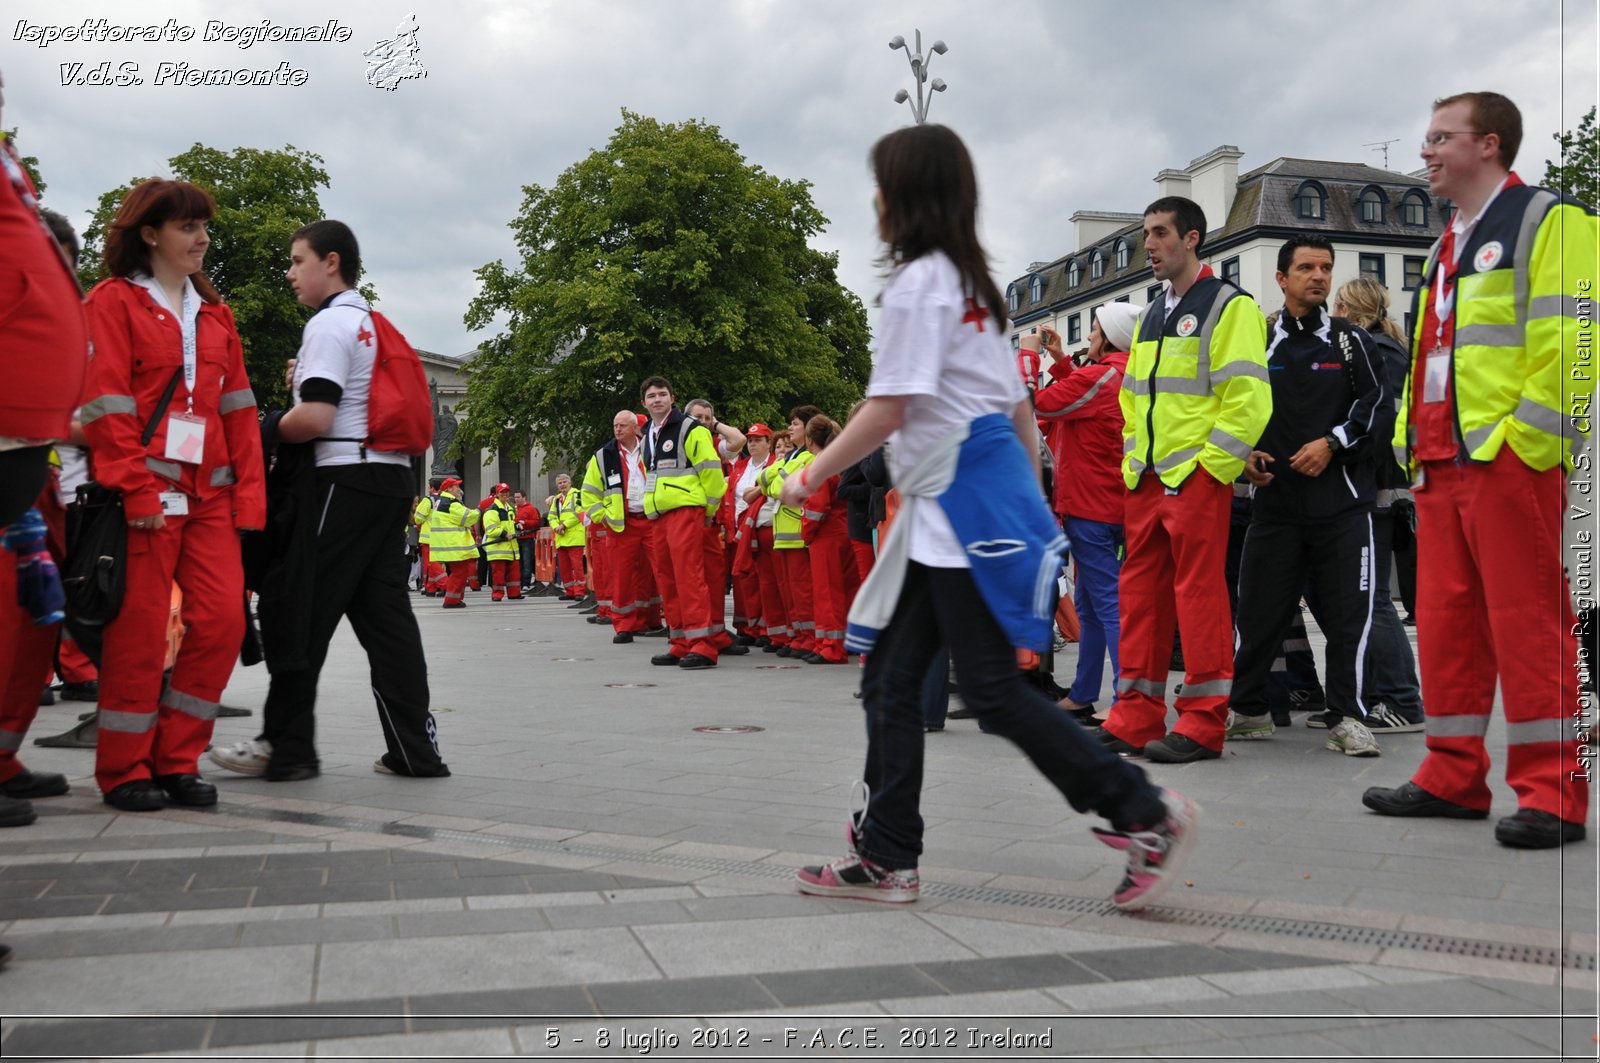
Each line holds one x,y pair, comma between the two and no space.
951,356
636,476
338,346
747,480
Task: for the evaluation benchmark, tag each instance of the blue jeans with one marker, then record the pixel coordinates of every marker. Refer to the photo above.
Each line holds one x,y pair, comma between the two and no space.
936,691
942,607
1392,675
526,548
1097,548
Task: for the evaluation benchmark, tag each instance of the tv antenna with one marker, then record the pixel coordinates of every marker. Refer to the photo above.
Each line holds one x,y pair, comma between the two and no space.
1383,146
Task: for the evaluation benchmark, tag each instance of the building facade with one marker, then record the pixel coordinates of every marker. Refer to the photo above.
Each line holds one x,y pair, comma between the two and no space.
481,469
1380,223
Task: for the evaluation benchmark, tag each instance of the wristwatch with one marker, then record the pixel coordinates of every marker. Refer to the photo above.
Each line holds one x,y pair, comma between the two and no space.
1333,442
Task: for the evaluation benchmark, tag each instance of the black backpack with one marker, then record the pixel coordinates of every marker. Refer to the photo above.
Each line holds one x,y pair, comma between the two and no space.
96,568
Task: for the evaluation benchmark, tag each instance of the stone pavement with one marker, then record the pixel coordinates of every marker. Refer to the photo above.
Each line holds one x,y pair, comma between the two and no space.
600,878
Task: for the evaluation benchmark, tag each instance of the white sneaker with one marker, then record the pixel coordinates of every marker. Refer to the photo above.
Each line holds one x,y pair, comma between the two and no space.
1353,739
246,758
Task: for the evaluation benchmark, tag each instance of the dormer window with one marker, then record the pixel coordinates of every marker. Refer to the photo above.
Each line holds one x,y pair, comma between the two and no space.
1074,273
1097,265
1370,205
1035,288
1013,300
1414,209
1124,253
1310,202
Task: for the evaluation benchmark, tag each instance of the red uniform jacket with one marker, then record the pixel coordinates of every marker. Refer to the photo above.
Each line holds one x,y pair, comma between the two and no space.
825,515
137,348
1081,416
528,516
45,344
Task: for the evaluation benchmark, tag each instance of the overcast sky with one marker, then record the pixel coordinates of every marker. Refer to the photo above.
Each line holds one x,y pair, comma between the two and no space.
1066,105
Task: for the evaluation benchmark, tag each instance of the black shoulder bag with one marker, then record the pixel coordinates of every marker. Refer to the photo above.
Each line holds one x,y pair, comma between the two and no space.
96,570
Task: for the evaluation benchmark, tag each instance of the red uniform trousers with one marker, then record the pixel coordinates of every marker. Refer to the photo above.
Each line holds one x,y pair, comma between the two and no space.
505,579
569,565
600,574
432,573
865,559
633,595
833,586
72,662
1492,601
143,731
746,609
716,562
794,568
457,573
774,617
24,667
678,557
1173,574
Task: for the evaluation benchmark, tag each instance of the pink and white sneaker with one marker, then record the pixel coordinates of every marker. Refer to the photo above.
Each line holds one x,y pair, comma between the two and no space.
1155,856
858,877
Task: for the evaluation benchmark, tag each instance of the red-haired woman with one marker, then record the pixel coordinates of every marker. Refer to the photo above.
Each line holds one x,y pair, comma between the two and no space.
171,422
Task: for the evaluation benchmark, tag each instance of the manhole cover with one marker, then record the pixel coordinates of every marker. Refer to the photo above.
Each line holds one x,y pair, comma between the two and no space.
729,729
774,667
629,686
570,659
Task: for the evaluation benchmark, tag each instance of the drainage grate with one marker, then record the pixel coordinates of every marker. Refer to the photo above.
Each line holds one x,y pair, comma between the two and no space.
1311,930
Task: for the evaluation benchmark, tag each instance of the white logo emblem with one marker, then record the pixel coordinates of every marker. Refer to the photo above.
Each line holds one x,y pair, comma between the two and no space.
394,60
1488,256
1187,324
666,448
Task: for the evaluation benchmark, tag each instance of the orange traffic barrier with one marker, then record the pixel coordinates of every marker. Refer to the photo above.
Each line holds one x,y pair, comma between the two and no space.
544,556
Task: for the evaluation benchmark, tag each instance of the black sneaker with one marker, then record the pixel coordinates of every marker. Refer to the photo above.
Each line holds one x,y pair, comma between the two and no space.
736,650
86,691
1529,828
696,660
26,785
1307,701
621,638
1381,719
1179,749
665,660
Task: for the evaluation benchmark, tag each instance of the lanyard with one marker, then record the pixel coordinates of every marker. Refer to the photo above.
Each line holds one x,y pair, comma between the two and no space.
189,335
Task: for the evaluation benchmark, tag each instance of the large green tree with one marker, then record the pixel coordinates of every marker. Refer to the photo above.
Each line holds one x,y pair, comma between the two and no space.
1577,171
262,197
30,163
664,252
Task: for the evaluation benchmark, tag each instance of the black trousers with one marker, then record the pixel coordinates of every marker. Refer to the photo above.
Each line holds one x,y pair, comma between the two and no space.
1277,558
361,574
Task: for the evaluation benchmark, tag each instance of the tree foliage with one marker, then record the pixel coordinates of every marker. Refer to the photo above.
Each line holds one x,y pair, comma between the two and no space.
663,253
1577,171
30,163
262,197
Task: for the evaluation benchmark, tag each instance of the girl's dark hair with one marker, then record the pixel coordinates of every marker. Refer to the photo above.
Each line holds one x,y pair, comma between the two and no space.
821,430
930,203
154,203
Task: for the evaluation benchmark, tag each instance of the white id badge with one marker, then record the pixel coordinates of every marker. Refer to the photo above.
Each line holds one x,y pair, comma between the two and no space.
1436,378
174,503
186,438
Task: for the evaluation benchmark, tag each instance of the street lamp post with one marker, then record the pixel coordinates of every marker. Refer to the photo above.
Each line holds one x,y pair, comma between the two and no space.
919,71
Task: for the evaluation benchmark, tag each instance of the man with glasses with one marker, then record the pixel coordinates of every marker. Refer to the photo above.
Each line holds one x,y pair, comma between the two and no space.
1491,422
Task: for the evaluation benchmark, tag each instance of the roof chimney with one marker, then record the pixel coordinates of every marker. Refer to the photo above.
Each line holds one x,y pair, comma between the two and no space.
1215,180
1172,183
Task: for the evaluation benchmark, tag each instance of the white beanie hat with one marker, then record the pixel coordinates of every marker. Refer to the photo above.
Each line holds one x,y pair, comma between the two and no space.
1117,321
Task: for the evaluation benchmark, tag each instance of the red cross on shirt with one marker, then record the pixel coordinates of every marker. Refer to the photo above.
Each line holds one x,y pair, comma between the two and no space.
973,314
365,337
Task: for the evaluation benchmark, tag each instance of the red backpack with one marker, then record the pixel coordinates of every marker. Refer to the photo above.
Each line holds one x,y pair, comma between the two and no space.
399,405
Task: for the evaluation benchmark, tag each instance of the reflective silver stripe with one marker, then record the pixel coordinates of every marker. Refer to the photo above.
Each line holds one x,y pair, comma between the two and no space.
624,610
1216,688
830,634
11,740
1545,419
1202,369
133,723
1083,400
170,469
1457,726
1176,458
1151,687
222,475
814,514
1129,444
777,629
674,633
95,409
1489,336
1539,205
243,399
1229,442
596,532
1537,732
189,705
1479,436
1168,385
1240,368
803,625
1554,306
786,537
700,466
612,491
